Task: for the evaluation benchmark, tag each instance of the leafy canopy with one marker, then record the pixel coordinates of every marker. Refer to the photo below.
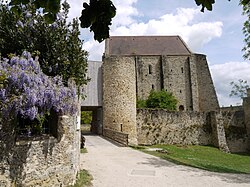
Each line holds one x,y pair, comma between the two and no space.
58,44
239,89
159,99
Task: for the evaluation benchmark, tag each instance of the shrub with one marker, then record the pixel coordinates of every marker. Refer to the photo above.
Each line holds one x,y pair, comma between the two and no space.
159,99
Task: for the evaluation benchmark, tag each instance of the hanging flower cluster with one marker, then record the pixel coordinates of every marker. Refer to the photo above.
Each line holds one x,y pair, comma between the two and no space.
28,92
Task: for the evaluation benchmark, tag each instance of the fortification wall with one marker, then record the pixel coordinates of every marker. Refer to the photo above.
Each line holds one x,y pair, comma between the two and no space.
44,162
160,126
148,75
225,130
119,95
207,96
246,106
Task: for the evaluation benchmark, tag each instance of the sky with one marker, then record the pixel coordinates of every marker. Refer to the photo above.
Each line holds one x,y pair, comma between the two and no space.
218,34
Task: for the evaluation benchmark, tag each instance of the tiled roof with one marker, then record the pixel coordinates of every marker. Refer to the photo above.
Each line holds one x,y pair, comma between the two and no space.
146,45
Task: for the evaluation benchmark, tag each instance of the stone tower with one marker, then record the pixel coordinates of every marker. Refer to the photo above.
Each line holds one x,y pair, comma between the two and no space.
135,65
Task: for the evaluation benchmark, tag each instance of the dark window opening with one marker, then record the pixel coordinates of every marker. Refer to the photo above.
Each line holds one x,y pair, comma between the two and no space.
171,70
180,91
181,108
153,87
150,69
181,70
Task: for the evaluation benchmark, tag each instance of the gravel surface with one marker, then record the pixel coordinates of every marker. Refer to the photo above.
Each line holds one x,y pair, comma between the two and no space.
115,166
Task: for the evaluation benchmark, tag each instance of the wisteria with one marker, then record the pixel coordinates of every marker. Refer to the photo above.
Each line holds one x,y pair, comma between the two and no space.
28,92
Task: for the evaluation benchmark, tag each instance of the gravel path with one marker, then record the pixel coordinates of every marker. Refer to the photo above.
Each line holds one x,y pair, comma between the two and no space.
114,166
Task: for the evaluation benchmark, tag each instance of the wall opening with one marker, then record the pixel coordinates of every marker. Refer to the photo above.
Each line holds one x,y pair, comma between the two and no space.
181,108
153,87
91,120
150,69
181,70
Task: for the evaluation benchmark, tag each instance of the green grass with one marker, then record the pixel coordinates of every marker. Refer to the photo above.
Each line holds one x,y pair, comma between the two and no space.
83,150
84,179
204,157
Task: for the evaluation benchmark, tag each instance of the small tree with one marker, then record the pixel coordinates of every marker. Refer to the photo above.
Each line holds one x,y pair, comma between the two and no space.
239,89
58,44
159,99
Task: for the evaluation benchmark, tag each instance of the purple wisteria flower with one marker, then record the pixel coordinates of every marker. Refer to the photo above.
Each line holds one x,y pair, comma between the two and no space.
30,93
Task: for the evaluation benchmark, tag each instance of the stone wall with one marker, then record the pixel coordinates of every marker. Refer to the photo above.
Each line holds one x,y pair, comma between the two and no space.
46,161
176,76
246,106
160,126
119,95
225,130
186,76
207,96
148,75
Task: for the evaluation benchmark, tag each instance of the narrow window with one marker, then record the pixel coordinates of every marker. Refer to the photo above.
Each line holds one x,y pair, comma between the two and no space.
150,69
181,70
180,91
153,87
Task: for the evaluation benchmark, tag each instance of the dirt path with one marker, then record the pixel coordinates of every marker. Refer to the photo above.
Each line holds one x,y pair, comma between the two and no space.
114,166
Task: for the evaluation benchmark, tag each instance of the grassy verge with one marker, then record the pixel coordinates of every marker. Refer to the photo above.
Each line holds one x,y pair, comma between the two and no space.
204,157
83,150
84,179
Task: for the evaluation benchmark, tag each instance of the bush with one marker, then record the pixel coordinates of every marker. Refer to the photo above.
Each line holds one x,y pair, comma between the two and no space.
159,99
141,104
86,117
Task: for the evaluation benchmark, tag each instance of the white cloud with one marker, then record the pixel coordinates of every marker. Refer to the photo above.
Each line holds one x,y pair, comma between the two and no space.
181,22
95,49
125,11
223,74
76,7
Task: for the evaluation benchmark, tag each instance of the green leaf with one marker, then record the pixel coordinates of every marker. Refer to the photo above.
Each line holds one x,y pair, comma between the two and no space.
50,18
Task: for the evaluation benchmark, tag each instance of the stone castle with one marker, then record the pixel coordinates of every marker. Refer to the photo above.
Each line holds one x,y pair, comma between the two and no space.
133,66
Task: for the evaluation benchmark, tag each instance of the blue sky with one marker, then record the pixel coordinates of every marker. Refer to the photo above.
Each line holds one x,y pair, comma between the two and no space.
218,34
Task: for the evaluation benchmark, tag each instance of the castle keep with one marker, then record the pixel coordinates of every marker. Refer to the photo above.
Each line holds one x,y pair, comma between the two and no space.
135,65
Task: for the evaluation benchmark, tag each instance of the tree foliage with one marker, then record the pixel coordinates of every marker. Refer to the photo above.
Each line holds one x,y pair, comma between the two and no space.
246,28
58,44
86,117
239,89
98,15
159,99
